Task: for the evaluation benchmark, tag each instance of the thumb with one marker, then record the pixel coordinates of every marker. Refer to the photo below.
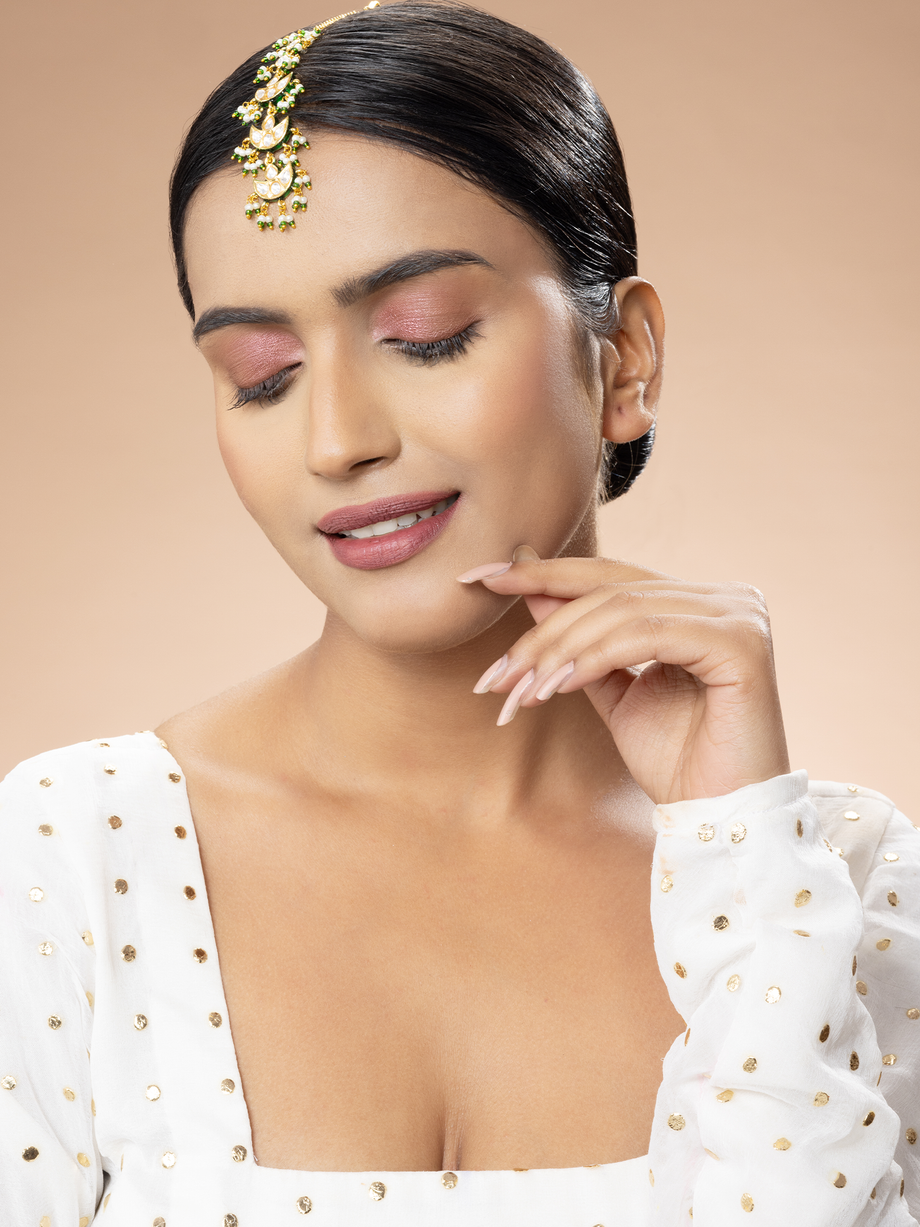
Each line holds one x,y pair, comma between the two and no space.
540,606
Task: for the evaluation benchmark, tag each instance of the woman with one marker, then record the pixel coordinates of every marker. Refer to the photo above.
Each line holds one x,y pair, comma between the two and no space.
446,998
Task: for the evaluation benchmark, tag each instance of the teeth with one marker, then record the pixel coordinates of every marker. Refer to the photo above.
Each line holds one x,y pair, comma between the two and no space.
383,527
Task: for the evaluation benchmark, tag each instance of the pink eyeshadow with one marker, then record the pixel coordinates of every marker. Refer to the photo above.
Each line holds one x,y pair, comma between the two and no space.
420,317
256,354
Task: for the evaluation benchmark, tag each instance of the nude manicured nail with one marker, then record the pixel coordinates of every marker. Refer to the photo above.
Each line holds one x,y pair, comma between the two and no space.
488,570
513,701
555,680
491,676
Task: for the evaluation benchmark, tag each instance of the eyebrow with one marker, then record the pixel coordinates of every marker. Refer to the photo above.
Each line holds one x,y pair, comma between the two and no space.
415,264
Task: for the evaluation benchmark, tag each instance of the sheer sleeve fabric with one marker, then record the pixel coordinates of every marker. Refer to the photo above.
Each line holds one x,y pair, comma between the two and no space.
50,1168
778,1100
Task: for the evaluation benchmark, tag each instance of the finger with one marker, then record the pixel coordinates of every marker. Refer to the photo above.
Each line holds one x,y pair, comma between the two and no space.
565,577
568,632
540,606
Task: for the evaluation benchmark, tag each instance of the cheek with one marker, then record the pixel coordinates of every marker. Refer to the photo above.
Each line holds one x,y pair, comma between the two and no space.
261,457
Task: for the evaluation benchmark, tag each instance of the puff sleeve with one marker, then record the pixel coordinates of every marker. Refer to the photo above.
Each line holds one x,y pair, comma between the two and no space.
50,1168
778,1100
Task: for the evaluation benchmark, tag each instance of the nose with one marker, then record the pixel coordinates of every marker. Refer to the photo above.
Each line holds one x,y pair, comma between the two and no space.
349,428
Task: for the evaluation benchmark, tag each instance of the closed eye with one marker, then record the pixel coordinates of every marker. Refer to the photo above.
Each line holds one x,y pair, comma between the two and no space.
427,352
267,391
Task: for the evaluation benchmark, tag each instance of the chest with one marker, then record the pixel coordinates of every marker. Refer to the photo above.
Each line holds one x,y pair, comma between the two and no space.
403,996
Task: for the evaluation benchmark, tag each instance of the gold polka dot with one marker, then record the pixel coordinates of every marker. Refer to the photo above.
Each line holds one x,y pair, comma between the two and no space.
128,953
46,948
902,1189
773,994
913,1012
852,788
159,1222
889,1058
215,1019
781,1144
868,1118
712,1154
377,1190
733,983
36,894
883,944
676,1121
747,1202
449,1180
840,1181
802,898
92,1106
686,1037
853,966
230,1220
114,822
821,1099
893,898
872,1194
30,1153
738,832
854,1060
83,1159
851,815
911,1136
109,769
706,832
304,1205
720,922
91,1000
238,1154
801,933
104,745
120,886
175,777
651,1177
199,955
69,1095
824,1033
681,970
181,832
725,1096
153,1093
55,1022
189,892
228,1086
862,988
140,1022
87,937
84,1220
8,1082
163,744
667,882
891,857
749,1065
168,1159
46,829
46,782
799,829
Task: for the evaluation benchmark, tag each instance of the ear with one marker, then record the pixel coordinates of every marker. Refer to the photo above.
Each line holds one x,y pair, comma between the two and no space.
631,362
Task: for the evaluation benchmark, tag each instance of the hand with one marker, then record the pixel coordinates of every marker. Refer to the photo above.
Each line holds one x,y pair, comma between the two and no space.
701,720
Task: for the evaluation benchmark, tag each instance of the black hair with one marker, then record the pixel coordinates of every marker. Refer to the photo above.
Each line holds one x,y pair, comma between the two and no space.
484,98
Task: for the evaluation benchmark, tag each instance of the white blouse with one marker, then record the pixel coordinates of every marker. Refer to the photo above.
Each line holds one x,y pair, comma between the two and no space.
787,926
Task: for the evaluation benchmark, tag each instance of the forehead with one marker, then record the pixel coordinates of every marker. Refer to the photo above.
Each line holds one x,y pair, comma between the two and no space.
371,203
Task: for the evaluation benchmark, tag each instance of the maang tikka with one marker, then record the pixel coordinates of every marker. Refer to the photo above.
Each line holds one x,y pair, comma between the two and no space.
284,179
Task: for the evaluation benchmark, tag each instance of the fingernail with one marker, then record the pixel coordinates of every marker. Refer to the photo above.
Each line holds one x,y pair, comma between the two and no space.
513,701
487,571
555,680
491,676
525,553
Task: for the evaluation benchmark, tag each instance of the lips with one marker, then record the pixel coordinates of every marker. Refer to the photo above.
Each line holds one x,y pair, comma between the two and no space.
371,553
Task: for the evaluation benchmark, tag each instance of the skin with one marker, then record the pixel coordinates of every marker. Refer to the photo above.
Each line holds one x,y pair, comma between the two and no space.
434,932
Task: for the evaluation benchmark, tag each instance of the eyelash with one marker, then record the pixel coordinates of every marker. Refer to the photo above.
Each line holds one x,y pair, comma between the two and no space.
423,352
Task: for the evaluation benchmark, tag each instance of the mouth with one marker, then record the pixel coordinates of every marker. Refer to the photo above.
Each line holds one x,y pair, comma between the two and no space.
372,536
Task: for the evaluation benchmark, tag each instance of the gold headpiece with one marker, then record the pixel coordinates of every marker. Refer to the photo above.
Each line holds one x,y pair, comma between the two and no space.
284,176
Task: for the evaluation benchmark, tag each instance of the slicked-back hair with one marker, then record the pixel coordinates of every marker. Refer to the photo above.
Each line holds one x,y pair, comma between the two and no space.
487,100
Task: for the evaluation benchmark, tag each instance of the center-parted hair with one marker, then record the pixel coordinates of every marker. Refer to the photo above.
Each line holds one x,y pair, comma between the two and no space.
489,101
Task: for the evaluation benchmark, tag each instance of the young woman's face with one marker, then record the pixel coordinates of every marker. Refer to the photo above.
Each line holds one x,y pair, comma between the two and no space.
413,344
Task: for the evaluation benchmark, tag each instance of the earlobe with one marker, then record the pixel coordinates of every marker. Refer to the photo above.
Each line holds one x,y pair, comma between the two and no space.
631,362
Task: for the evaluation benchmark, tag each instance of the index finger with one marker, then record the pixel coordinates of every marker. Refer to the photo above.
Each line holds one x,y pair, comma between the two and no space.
567,578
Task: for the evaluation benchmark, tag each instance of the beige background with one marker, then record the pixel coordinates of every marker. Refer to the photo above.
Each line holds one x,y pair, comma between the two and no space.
771,155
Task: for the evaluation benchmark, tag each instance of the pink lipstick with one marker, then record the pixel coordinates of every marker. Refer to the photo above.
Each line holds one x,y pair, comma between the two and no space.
388,530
